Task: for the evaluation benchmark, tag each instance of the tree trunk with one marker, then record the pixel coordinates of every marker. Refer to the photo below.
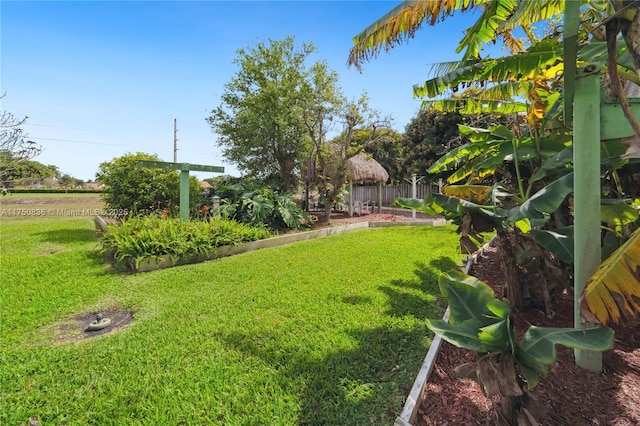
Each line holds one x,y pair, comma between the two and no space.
512,289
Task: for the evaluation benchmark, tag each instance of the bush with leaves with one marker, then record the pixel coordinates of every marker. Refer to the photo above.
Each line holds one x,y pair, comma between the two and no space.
252,202
141,190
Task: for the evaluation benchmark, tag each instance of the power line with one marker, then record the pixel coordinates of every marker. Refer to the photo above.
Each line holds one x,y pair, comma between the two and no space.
55,127
81,142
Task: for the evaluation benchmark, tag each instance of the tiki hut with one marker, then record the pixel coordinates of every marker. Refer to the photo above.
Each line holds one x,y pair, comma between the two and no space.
363,170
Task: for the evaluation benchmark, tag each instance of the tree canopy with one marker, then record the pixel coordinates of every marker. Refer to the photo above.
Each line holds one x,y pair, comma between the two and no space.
258,122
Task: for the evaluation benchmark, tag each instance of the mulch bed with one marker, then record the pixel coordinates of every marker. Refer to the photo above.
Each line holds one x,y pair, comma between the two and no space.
573,396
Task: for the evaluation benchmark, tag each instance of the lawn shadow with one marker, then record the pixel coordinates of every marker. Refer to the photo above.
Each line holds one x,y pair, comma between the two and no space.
420,303
66,236
364,385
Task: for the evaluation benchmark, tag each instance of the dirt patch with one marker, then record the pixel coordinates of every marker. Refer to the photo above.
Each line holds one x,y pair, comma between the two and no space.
76,328
573,396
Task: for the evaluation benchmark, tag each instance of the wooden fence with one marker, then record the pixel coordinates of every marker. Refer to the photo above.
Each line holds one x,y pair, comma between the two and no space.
391,192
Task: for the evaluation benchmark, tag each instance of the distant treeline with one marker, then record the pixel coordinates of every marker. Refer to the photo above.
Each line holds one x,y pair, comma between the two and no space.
53,191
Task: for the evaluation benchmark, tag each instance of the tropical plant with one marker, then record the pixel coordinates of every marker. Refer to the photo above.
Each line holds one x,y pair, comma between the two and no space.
252,202
506,366
535,71
151,237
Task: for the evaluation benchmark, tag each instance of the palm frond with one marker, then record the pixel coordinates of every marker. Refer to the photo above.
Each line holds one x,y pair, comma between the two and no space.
524,66
486,27
476,106
474,193
531,12
612,294
400,24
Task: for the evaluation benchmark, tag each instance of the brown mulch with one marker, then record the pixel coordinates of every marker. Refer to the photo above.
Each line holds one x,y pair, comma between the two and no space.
573,396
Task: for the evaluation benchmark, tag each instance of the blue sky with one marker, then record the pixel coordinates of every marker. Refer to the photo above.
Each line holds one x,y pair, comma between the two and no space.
99,79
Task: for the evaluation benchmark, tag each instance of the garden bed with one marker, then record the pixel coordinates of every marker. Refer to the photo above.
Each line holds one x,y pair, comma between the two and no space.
340,223
572,395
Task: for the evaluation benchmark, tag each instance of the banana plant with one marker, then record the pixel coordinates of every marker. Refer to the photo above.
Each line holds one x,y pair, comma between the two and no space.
506,366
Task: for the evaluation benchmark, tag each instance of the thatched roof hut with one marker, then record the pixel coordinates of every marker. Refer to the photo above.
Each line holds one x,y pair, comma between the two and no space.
364,170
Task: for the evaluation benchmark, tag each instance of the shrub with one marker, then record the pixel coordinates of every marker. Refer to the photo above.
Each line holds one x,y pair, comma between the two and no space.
150,237
252,202
142,190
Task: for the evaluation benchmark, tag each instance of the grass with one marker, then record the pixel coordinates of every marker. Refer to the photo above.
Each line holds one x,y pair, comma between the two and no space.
328,331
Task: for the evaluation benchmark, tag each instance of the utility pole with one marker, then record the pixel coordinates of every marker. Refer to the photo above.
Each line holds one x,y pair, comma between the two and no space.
175,140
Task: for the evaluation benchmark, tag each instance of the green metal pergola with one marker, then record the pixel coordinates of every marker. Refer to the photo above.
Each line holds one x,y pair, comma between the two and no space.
595,118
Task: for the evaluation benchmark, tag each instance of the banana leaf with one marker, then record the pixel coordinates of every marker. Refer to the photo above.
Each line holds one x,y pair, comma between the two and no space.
618,213
462,335
612,294
537,347
467,296
559,242
545,201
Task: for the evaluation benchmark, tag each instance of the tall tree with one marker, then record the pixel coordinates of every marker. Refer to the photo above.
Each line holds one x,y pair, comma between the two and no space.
387,149
259,120
362,126
427,137
27,171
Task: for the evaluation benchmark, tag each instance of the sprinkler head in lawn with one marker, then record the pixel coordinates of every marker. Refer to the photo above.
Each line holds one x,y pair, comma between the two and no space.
99,323
90,324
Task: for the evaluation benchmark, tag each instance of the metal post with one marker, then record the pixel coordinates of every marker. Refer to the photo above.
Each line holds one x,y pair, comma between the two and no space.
414,193
586,160
184,195
350,198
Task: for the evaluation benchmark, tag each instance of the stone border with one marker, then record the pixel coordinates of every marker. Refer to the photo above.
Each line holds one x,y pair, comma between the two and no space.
410,411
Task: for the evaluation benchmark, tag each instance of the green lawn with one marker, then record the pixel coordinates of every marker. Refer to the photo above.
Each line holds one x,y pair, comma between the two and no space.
328,331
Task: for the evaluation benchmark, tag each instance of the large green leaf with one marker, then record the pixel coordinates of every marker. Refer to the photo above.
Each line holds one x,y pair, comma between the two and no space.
545,201
462,154
595,52
523,66
421,205
618,213
467,296
559,242
497,337
559,161
537,346
463,335
485,28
